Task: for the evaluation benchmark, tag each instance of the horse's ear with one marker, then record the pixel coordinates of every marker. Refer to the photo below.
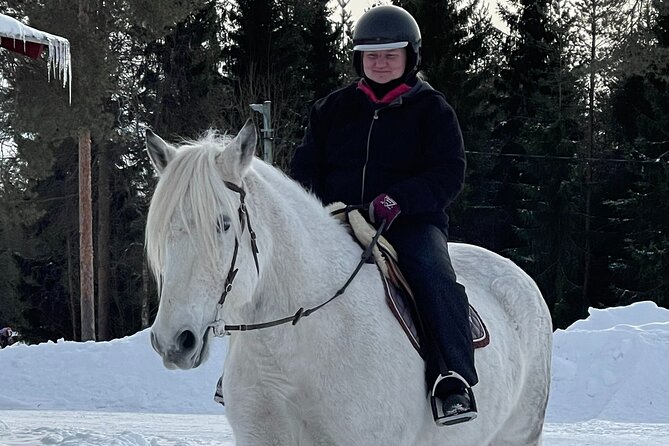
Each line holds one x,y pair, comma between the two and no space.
246,140
160,152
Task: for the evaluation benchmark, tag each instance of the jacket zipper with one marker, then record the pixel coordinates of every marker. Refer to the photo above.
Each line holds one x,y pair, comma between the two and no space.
364,167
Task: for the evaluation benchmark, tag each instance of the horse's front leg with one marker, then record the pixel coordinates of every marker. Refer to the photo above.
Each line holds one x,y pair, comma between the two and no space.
256,406
259,420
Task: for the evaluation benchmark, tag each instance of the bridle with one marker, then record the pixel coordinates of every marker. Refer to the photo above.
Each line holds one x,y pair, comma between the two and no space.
242,211
245,220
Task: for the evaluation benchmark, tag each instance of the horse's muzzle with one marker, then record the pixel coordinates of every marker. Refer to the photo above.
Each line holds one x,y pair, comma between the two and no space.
184,352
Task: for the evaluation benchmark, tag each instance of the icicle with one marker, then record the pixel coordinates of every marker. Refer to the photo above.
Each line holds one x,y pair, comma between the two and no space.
60,61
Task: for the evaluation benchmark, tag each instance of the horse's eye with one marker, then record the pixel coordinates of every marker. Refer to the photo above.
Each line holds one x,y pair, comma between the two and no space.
222,223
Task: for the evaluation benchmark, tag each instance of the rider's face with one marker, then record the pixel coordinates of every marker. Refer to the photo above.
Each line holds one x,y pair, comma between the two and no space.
385,65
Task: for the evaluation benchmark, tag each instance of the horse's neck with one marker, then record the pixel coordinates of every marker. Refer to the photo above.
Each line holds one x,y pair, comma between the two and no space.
305,257
305,254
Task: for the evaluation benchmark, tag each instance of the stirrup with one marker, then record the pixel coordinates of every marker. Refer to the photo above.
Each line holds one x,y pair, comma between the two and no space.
440,418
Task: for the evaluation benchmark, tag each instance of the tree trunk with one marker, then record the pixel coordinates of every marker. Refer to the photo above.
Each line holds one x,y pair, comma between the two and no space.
86,238
102,257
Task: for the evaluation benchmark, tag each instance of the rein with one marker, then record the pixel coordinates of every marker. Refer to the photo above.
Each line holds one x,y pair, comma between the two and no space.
294,319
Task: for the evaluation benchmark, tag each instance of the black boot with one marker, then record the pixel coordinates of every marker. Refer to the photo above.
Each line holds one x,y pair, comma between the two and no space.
455,406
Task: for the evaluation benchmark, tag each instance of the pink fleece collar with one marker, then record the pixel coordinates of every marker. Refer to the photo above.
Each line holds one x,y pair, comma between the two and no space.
388,98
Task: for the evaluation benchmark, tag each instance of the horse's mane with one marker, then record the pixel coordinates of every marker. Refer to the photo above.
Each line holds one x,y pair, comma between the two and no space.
191,184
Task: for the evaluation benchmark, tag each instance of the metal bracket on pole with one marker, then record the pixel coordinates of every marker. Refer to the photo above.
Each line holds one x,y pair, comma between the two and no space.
267,131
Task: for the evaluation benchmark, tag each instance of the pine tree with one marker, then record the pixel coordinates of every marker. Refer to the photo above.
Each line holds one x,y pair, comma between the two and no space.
454,43
176,88
33,96
107,42
321,39
535,140
268,53
639,113
12,236
12,240
183,90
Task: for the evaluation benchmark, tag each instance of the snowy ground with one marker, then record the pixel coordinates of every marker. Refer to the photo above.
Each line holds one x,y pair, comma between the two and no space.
146,429
610,387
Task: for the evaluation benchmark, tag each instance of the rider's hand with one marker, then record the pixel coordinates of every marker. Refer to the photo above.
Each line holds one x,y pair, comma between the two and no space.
383,208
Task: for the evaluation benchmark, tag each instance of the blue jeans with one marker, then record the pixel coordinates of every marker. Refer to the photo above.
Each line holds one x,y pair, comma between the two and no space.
442,302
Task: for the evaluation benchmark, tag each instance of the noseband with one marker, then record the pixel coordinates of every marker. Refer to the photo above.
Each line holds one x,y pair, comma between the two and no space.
232,272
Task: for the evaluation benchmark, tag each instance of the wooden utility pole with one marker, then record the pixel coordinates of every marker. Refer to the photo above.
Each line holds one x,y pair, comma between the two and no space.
86,238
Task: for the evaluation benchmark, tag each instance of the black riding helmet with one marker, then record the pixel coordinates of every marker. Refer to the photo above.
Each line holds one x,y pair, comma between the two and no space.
384,28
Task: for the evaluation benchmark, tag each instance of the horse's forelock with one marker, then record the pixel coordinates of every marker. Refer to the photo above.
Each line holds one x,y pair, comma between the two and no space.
192,189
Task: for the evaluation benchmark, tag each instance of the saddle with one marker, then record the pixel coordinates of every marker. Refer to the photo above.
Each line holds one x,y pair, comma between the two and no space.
399,297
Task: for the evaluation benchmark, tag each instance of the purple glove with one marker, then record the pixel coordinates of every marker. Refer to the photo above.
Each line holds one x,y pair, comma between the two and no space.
383,208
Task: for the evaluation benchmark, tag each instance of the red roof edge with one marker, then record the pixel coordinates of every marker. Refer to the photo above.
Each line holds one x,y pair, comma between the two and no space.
30,49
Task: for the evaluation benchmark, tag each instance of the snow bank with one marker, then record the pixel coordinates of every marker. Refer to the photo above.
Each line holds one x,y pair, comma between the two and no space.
613,366
120,375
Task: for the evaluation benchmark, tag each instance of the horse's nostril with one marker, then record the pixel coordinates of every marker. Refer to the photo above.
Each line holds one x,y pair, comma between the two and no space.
186,340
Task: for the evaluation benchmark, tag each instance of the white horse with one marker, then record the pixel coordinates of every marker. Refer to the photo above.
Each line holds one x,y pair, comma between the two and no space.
347,374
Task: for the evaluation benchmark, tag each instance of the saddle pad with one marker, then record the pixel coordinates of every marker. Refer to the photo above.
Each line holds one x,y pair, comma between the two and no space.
398,292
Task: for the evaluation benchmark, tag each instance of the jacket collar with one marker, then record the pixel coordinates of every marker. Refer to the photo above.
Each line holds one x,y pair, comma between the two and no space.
388,98
403,91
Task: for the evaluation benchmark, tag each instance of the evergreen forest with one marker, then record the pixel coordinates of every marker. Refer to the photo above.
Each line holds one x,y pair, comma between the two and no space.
565,115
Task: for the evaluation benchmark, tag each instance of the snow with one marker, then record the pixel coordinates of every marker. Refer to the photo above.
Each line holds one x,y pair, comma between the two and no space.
59,59
610,387
613,366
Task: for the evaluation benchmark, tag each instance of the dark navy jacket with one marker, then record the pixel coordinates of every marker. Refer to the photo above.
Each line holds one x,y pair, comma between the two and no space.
411,149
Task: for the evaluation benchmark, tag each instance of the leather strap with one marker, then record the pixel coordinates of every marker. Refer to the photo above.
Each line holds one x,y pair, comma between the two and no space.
294,319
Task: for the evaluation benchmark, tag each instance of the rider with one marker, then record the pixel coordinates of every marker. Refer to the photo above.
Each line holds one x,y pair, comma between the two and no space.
391,140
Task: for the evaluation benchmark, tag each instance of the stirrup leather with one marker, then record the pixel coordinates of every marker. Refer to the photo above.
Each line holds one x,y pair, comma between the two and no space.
437,406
